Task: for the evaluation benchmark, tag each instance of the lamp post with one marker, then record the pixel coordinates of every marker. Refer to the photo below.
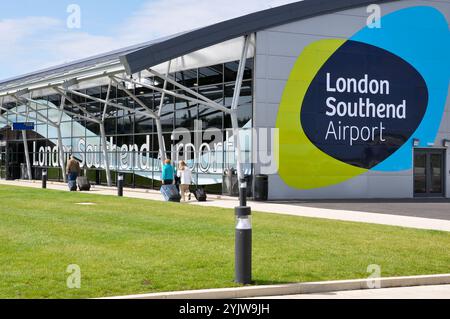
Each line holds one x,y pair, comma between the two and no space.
243,238
243,245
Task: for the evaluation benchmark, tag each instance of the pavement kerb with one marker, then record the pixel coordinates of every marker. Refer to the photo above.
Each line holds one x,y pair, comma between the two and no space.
295,289
113,189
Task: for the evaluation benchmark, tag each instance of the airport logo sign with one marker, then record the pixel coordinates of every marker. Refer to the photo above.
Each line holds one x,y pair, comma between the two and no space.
363,114
351,106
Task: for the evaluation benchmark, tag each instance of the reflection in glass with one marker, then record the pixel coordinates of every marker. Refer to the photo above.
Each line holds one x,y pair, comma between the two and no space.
210,75
436,171
231,69
187,78
420,181
428,172
126,128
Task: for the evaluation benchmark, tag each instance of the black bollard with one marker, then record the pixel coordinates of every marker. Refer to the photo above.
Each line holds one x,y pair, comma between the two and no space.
120,185
243,193
243,246
44,178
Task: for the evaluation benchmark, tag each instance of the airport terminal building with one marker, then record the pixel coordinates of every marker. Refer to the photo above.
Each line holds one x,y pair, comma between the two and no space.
329,99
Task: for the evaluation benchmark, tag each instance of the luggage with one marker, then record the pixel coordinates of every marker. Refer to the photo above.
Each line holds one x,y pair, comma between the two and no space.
177,182
72,186
200,195
83,184
170,193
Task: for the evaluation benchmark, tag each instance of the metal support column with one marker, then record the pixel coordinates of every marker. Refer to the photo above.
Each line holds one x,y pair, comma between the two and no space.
234,107
27,153
104,141
105,154
61,153
162,144
60,142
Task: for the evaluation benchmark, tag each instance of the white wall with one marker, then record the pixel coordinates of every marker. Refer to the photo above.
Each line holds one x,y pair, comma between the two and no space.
277,50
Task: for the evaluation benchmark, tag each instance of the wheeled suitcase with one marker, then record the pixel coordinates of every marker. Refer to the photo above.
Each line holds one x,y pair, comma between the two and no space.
170,193
200,195
72,185
83,184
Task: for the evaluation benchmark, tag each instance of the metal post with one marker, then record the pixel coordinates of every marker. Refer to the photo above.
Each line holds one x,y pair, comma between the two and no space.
120,185
105,154
243,246
44,178
27,154
239,168
162,144
243,240
103,137
163,94
60,143
235,123
61,154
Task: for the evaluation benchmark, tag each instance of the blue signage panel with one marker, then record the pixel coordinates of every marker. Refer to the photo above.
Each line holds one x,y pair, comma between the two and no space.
23,126
363,105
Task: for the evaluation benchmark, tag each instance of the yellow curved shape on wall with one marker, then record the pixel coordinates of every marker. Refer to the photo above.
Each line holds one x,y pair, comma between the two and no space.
301,164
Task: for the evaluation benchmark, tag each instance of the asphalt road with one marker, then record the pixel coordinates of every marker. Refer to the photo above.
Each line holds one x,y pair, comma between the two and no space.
426,208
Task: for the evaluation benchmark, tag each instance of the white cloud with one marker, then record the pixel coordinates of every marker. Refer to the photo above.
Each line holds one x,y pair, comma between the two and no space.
12,30
37,42
76,45
166,17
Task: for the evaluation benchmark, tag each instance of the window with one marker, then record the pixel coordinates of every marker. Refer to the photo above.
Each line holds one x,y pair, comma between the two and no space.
138,131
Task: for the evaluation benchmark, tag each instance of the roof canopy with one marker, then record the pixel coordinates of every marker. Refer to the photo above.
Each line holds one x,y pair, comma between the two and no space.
186,43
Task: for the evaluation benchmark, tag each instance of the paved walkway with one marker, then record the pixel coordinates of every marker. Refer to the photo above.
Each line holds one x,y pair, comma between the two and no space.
293,209
435,208
422,292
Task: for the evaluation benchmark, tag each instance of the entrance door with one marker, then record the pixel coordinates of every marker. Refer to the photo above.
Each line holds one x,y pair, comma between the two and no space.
429,172
3,160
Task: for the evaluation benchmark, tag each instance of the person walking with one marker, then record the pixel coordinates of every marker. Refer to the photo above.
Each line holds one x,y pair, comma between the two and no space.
177,180
185,175
167,175
73,169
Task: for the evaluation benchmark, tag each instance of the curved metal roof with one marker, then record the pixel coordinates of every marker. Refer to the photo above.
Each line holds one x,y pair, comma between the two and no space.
160,52
100,59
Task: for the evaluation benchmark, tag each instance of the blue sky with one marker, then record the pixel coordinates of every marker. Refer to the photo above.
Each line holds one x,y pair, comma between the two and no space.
35,34
98,16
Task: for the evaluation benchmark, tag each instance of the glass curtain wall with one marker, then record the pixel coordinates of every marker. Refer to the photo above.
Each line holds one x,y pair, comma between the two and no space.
199,135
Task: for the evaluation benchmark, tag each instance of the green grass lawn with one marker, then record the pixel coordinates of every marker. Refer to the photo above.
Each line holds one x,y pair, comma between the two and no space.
130,246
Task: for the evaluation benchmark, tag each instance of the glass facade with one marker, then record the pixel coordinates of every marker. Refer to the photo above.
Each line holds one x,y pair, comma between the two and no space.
205,142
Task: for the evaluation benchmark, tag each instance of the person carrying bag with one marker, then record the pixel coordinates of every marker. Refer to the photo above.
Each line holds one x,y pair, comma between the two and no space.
185,175
73,169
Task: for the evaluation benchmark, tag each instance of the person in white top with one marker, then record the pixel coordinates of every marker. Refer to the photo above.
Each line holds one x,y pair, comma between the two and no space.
185,174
